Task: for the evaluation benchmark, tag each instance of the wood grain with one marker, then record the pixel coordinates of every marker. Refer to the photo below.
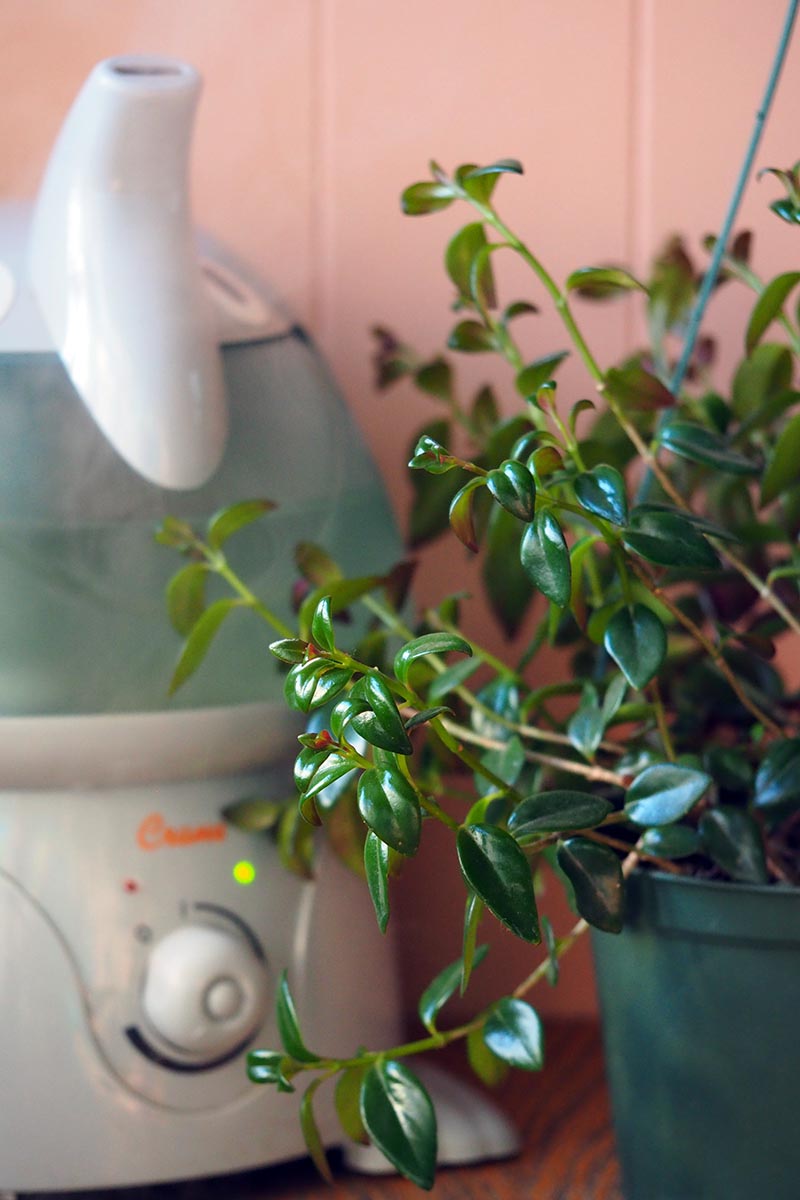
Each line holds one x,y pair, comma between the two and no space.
562,1114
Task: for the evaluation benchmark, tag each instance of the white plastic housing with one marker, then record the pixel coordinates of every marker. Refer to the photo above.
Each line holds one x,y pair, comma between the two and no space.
115,273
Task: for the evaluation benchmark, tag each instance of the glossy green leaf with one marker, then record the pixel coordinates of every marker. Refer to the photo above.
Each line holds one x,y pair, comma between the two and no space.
268,1066
198,643
429,643
453,677
768,307
176,534
484,414
783,468
480,187
288,1025
462,513
342,593
347,1099
307,763
669,540
787,210
495,868
390,807
430,456
422,198
664,793
615,694
602,491
471,337
586,725
435,378
311,1134
513,487
764,374
596,877
289,650
328,773
733,840
501,167
230,520
637,641
426,715
519,308
637,389
507,584
296,844
506,762
186,597
316,565
381,725
545,558
545,461
531,378
430,505
254,814
557,811
598,283
700,523
490,1069
398,1116
312,684
376,866
322,626
581,406
473,911
698,444
513,1032
460,256
445,985
778,777
671,841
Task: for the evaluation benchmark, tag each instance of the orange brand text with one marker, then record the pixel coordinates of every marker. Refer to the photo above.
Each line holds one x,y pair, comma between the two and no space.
155,834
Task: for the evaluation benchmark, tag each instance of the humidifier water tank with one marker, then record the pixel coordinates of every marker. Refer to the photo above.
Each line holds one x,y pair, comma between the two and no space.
82,614
143,375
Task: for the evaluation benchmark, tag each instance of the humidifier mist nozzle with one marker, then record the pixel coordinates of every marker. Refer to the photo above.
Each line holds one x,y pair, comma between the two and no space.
116,276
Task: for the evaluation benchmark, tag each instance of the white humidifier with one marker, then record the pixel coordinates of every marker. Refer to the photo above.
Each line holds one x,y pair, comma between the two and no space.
140,936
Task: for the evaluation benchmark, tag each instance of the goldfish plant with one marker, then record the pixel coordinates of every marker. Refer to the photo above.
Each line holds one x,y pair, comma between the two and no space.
649,530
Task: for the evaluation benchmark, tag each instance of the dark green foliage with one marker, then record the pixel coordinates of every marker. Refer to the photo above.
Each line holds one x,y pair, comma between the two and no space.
398,1116
390,807
545,558
513,1032
497,871
596,877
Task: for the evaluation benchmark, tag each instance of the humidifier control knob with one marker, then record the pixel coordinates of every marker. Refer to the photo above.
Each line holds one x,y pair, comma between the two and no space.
206,990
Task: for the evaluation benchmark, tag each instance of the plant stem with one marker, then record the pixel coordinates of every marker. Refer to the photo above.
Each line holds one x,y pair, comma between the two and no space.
661,720
714,652
735,201
594,773
649,458
663,864
219,564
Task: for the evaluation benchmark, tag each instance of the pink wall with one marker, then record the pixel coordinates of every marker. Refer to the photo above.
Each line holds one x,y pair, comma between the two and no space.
630,117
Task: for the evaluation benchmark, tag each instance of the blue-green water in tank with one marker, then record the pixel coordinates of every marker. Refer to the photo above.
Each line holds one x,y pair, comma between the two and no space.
83,622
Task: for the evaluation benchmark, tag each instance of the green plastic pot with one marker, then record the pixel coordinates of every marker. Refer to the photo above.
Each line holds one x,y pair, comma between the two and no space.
700,999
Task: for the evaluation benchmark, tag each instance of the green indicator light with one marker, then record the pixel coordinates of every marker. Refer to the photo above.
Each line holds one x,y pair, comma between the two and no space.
244,872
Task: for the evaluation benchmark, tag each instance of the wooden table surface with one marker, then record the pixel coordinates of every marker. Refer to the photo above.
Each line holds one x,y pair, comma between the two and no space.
562,1114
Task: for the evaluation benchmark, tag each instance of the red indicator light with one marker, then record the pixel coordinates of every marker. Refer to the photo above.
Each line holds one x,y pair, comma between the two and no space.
130,886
